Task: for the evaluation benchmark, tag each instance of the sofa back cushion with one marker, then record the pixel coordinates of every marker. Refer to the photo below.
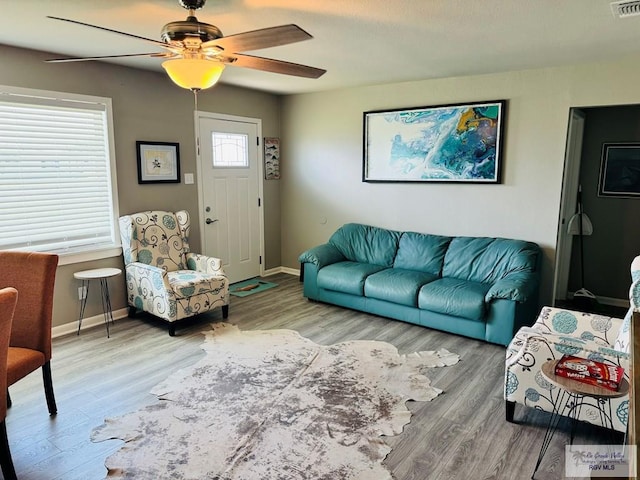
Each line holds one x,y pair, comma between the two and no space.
486,260
366,244
421,252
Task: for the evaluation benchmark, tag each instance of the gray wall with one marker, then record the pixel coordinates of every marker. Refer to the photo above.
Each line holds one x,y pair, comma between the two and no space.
146,106
616,235
321,165
322,142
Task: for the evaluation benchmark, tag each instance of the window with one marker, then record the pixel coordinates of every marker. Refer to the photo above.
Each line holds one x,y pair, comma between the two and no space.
57,173
230,150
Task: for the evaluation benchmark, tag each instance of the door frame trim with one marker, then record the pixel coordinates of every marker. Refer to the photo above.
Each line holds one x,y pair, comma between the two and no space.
568,201
198,114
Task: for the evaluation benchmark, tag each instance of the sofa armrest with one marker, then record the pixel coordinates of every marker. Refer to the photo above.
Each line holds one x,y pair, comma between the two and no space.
129,246
583,325
157,275
517,286
322,255
203,263
529,344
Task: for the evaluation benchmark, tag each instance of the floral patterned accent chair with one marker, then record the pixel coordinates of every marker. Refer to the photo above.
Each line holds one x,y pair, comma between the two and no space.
557,332
163,277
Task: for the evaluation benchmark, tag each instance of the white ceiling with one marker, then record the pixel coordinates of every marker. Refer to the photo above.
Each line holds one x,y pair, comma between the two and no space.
358,42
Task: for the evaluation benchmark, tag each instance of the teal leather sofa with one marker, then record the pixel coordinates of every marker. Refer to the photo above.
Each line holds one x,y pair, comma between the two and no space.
479,287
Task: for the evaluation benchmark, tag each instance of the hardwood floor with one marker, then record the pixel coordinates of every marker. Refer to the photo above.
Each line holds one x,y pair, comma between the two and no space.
461,434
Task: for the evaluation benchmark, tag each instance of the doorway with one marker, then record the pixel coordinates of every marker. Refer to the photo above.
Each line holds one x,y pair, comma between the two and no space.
615,239
230,192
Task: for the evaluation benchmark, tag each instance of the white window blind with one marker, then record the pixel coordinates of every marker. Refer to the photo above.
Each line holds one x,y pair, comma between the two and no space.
56,185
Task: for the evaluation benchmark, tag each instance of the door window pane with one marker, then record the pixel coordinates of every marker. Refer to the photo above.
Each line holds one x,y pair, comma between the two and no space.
230,150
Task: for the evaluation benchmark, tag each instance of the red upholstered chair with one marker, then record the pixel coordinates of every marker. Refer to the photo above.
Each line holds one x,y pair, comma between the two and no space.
33,275
8,299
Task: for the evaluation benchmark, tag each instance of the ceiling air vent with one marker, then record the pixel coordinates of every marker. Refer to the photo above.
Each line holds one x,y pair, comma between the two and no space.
627,8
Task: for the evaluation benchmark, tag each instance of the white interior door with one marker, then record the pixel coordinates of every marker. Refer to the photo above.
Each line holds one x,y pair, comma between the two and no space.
568,202
230,200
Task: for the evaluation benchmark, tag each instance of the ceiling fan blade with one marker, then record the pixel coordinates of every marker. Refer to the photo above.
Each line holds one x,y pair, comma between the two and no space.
84,59
275,66
157,42
258,39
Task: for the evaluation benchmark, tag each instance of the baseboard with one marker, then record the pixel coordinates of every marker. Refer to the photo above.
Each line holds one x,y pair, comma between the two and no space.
89,322
287,270
96,320
614,302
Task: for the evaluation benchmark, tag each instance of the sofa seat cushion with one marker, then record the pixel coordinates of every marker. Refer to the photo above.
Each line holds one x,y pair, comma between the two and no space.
452,296
186,283
346,277
397,285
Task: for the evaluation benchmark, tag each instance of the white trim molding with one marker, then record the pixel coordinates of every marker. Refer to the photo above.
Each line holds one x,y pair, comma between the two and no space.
88,322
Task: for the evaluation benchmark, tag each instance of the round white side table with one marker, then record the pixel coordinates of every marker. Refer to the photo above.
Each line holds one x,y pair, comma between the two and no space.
102,274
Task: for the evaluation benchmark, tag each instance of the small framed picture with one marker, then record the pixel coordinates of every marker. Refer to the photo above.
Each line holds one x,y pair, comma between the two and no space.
620,170
158,162
271,158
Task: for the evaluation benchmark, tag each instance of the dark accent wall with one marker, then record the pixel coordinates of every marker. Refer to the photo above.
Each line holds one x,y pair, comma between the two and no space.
616,221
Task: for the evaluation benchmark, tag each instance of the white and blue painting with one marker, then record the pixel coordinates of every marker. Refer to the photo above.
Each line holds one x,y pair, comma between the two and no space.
452,143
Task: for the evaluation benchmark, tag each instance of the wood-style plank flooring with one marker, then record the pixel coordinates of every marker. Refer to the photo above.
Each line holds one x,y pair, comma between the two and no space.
462,434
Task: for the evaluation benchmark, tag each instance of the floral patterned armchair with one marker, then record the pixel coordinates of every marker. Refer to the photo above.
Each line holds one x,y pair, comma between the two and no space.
557,332
163,277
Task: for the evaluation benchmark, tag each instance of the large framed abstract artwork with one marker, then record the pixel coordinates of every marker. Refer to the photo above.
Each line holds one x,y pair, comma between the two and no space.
620,170
446,143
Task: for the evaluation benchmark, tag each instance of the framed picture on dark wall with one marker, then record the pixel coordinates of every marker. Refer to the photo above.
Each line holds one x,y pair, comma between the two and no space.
158,162
620,170
444,143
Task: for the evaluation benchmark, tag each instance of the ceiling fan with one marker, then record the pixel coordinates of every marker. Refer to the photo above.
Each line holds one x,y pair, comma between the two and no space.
197,52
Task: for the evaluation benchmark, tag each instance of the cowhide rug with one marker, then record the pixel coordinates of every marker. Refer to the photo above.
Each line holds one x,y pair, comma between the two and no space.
271,404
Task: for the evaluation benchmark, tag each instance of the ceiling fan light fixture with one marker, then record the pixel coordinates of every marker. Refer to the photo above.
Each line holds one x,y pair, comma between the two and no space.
193,73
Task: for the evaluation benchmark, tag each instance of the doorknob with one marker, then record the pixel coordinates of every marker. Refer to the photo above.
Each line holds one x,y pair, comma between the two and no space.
208,221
